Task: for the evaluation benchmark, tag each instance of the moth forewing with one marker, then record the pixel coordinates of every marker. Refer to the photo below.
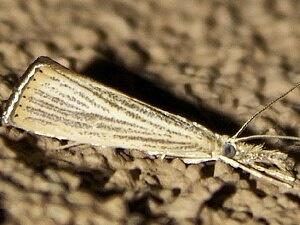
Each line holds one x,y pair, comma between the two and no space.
55,102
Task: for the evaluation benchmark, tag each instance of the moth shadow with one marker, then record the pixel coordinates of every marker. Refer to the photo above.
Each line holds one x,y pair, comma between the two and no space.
220,196
92,181
41,160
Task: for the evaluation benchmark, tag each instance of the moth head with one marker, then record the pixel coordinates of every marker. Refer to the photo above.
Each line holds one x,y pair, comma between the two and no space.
229,149
254,156
226,146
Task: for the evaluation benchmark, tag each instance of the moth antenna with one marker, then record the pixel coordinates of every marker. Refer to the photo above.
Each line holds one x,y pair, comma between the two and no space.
263,136
261,110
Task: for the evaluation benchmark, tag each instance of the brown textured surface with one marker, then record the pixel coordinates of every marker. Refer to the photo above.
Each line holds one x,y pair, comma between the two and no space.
214,62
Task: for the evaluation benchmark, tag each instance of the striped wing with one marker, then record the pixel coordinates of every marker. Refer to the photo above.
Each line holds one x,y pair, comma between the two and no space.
56,102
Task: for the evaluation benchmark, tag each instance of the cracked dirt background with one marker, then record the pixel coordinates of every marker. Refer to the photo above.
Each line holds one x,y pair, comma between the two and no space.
214,62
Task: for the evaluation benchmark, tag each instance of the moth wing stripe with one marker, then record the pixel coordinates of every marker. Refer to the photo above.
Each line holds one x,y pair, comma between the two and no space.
82,115
75,90
122,109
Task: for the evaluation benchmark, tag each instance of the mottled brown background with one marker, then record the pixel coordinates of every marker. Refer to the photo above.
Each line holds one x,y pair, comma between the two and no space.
215,62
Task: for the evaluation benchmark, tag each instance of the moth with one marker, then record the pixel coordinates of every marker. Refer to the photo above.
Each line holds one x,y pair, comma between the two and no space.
56,102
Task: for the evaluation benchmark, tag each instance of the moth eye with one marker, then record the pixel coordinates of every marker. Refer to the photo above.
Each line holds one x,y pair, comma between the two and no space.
229,150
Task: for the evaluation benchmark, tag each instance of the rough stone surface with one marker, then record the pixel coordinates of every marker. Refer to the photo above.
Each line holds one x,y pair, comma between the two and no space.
214,62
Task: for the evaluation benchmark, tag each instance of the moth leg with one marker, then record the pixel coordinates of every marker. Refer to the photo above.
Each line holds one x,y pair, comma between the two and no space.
274,173
253,172
66,146
197,160
162,156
